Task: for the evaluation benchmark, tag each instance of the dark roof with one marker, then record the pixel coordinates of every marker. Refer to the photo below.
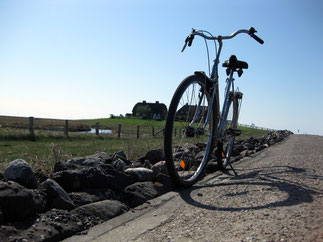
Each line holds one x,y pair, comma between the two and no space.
150,110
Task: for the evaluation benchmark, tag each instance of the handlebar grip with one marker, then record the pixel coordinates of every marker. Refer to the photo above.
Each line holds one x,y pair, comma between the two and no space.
257,38
190,40
252,32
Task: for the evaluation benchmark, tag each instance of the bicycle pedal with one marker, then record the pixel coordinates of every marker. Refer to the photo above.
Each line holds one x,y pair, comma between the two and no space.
233,132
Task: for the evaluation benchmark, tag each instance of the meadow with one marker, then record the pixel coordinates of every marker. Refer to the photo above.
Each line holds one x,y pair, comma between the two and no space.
52,146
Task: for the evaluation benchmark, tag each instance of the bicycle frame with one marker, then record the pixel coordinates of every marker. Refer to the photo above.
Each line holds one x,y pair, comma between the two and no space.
215,94
197,98
215,78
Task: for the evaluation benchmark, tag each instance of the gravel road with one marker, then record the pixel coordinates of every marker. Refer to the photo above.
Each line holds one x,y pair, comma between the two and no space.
277,196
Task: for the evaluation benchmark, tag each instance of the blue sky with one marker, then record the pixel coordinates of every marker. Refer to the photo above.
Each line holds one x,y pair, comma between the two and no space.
89,59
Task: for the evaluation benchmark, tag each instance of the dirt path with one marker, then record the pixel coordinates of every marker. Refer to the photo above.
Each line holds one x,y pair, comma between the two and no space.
278,196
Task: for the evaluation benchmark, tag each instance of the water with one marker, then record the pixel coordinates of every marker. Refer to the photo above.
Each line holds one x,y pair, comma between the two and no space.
101,131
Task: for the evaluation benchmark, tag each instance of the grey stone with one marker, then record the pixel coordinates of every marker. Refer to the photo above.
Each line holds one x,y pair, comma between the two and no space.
119,165
249,146
121,155
91,196
54,225
160,167
70,180
190,146
57,196
92,178
77,163
244,153
102,156
155,156
21,172
140,192
103,210
165,180
17,203
142,174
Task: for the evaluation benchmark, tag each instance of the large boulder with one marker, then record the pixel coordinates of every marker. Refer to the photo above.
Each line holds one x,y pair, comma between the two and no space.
120,180
92,178
119,165
140,192
102,156
92,195
155,156
141,174
18,203
56,196
103,210
69,180
166,181
21,172
121,155
54,225
248,146
77,163
160,167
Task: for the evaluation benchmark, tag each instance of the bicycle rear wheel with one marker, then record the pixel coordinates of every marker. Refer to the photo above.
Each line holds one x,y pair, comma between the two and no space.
188,139
225,146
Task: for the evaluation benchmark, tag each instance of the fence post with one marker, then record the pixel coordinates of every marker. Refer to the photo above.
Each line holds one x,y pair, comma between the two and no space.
31,128
119,130
153,131
97,132
138,131
66,128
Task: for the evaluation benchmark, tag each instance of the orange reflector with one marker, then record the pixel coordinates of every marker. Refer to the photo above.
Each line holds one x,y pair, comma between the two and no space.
223,154
182,164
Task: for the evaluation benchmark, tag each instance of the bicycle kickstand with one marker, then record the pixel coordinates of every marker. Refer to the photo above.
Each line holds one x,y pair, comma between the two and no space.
234,171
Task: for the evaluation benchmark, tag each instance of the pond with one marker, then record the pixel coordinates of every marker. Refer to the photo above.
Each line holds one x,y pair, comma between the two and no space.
101,131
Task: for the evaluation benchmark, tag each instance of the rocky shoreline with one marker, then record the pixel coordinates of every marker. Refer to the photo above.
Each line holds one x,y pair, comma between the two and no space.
83,192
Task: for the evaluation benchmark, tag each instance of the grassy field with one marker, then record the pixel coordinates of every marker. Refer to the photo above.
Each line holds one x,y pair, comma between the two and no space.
128,126
40,123
53,146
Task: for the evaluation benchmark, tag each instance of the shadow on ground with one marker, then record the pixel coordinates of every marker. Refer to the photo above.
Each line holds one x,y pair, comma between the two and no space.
275,177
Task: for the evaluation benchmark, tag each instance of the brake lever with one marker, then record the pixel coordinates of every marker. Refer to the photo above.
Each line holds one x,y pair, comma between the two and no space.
188,40
184,46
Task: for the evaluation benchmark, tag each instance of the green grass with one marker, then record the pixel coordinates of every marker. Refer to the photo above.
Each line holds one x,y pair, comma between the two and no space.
53,146
250,132
50,150
128,126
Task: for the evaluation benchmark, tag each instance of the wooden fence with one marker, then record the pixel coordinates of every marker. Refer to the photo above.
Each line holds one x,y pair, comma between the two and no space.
139,130
119,131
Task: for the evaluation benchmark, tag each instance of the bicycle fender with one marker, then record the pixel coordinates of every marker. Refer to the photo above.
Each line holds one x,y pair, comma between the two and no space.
205,77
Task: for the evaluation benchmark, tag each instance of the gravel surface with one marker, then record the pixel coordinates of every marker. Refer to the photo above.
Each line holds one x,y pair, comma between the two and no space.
277,196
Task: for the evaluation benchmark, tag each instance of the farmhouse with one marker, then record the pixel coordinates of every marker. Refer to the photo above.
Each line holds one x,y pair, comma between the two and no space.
188,111
157,111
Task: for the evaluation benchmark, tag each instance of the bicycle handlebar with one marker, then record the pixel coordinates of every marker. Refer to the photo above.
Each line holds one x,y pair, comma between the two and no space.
251,32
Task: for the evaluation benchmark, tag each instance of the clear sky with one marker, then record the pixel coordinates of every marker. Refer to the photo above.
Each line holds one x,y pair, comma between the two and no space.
75,59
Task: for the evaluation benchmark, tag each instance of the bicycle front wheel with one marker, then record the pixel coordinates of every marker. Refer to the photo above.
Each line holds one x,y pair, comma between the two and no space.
189,134
225,146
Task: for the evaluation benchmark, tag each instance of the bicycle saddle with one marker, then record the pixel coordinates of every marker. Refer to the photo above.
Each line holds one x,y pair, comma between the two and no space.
233,63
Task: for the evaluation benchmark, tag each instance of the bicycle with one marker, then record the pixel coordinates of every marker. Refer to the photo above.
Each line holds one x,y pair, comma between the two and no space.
196,130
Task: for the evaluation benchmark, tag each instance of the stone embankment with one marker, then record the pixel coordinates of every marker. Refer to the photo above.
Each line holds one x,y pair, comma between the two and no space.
83,192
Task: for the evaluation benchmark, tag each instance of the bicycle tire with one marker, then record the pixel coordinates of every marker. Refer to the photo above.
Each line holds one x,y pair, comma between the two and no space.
182,141
225,146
